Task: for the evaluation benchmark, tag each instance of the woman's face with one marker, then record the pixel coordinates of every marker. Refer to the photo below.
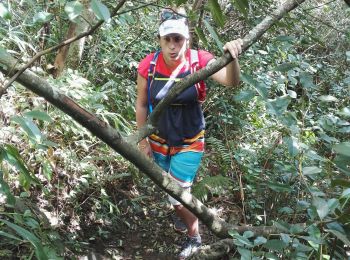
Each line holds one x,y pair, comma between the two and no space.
174,48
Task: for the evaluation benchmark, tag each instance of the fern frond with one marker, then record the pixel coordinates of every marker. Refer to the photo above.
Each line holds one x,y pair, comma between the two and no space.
211,185
220,148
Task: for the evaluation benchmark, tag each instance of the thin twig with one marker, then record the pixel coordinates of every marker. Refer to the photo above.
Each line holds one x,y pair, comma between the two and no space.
58,46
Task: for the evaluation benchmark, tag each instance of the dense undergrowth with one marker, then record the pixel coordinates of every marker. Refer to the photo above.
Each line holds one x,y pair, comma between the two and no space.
278,147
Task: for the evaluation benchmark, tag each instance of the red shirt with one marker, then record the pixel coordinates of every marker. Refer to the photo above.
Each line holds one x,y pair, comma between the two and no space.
203,56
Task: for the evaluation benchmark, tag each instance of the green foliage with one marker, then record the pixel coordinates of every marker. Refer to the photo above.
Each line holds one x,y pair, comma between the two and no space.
281,138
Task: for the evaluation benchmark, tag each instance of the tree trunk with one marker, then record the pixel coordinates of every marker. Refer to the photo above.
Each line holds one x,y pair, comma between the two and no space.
70,55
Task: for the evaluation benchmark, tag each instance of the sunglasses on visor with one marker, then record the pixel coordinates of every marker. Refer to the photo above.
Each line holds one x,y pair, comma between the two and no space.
169,14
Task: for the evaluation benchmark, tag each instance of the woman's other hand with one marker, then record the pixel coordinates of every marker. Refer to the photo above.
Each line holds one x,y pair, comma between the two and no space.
145,148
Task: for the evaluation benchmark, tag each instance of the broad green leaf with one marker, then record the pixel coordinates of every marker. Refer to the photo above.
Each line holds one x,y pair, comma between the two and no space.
285,238
42,17
262,90
289,119
343,163
275,244
30,237
100,10
279,105
311,170
328,98
4,12
244,95
259,241
345,112
29,127
242,6
248,234
279,187
292,93
286,210
41,115
296,229
286,66
216,13
293,145
340,182
240,240
342,148
214,35
245,253
321,206
73,9
306,80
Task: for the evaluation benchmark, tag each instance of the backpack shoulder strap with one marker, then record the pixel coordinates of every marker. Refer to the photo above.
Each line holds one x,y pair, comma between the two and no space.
151,71
194,60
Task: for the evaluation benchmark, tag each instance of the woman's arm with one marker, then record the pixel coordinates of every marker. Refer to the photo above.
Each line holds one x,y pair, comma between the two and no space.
229,75
141,111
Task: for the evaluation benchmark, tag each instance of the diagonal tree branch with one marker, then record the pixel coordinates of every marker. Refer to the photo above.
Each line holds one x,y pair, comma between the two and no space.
58,46
128,150
253,36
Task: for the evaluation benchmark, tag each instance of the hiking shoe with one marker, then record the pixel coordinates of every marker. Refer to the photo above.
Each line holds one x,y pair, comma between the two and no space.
179,225
190,246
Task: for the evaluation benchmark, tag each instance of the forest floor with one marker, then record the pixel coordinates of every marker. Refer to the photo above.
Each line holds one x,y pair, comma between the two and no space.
146,233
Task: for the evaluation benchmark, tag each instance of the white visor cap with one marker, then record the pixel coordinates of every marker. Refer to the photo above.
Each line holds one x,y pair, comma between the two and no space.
174,26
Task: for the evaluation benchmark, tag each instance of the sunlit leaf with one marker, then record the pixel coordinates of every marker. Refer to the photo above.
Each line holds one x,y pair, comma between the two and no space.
244,95
321,206
328,98
306,80
279,105
41,115
259,241
42,17
4,12
346,193
293,145
100,10
311,170
342,148
292,93
29,127
73,9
